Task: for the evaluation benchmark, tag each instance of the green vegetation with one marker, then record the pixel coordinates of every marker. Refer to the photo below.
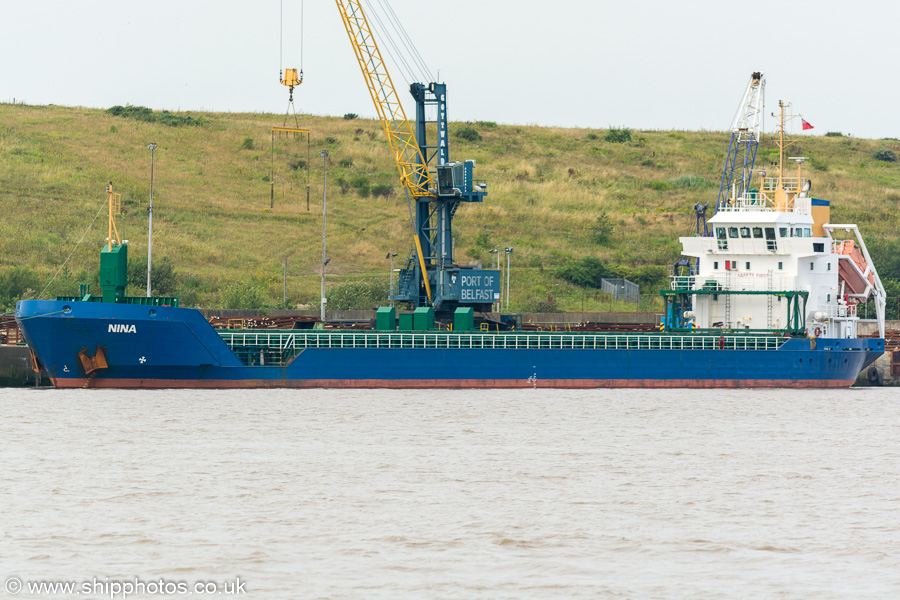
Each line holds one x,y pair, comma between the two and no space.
16,283
358,295
142,113
602,230
470,134
618,136
572,202
885,155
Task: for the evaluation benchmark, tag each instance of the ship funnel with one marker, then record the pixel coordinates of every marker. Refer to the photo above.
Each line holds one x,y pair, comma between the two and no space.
821,214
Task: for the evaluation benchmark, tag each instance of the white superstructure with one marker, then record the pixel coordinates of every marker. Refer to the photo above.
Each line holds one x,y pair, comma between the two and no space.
774,257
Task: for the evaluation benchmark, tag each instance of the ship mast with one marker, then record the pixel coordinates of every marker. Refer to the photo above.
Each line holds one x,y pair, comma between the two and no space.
115,203
114,256
783,196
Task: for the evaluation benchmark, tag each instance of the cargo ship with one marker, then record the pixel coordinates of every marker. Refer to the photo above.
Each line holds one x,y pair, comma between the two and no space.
768,299
766,295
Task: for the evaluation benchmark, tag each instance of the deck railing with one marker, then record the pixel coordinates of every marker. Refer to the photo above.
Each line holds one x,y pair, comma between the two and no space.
278,347
755,282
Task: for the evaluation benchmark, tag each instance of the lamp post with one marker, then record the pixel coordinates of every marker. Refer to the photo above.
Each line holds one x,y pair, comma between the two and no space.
496,254
391,255
151,147
508,252
325,261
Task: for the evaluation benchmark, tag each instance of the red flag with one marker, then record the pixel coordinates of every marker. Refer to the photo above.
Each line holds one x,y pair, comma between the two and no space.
805,124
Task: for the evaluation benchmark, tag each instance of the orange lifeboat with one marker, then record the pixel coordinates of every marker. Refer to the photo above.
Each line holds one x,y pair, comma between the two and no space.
852,267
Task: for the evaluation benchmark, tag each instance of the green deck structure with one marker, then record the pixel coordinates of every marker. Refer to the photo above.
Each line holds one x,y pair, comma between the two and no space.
386,318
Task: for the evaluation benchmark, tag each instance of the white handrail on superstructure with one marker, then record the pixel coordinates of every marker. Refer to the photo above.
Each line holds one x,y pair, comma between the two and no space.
753,282
878,292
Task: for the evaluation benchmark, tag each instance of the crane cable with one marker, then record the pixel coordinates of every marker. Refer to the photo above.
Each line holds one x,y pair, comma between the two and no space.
397,56
408,43
281,40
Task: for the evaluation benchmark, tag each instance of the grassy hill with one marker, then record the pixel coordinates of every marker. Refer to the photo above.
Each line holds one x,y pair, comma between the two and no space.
559,196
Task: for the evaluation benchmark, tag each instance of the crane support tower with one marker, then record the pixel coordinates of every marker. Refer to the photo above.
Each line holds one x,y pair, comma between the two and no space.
432,181
741,154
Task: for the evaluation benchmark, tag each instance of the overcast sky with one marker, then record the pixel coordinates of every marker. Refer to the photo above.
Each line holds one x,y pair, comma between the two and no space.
648,64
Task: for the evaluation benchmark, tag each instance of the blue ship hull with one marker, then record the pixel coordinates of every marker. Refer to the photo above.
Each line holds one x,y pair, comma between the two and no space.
167,347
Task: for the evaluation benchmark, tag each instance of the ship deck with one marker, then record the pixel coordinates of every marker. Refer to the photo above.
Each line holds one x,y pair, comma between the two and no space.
279,347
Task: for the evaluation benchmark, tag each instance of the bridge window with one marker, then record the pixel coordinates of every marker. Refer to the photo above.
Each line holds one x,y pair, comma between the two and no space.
757,232
819,248
745,232
732,232
783,231
771,245
720,237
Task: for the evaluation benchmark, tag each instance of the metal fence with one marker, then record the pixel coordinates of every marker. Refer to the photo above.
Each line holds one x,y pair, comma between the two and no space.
621,289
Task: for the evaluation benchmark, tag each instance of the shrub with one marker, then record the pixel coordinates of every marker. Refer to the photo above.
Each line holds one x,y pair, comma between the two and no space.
382,190
817,164
163,281
834,134
15,284
350,116
885,155
470,134
247,144
142,113
587,272
330,140
593,136
539,305
486,124
361,184
602,230
660,186
297,165
345,163
649,276
618,135
242,295
173,120
358,295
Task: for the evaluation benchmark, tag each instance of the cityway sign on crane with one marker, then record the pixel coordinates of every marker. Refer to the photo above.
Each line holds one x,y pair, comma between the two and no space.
436,185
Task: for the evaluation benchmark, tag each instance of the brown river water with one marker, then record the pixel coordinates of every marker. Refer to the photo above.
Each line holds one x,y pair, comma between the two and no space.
452,494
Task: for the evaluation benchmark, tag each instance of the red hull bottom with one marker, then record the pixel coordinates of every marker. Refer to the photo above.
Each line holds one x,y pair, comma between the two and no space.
446,383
